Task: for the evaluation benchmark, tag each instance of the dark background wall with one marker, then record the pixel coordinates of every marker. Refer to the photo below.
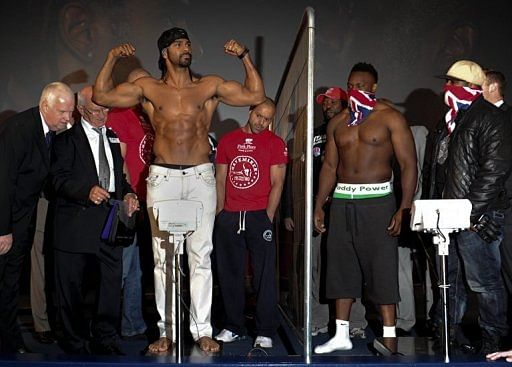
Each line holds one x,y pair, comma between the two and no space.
407,41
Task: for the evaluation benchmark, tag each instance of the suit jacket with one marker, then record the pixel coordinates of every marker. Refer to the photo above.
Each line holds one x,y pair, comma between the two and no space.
24,167
78,221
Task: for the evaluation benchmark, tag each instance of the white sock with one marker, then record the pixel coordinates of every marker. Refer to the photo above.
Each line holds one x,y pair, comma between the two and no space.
342,330
341,322
389,331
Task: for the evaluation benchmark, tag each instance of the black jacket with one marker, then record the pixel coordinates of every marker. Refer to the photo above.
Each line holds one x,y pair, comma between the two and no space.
78,221
24,166
479,158
434,173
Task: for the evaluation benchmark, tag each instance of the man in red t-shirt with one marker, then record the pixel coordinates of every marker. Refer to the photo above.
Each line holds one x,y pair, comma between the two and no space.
136,136
251,165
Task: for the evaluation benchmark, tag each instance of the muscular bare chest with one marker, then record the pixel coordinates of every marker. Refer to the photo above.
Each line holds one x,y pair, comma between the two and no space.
172,104
370,134
181,118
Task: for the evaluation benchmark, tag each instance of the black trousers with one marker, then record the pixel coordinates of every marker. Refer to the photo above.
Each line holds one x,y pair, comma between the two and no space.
69,282
234,233
506,261
506,251
11,265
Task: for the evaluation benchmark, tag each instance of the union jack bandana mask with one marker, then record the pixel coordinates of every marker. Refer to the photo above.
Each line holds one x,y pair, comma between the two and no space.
457,98
361,105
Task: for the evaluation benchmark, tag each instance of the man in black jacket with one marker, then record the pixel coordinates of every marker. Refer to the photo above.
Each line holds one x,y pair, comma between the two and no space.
493,91
25,141
478,163
87,170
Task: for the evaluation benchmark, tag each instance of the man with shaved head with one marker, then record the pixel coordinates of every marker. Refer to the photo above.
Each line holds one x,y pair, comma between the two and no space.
87,171
25,141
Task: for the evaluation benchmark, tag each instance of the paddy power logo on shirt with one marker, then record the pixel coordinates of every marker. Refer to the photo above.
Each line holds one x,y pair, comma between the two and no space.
243,172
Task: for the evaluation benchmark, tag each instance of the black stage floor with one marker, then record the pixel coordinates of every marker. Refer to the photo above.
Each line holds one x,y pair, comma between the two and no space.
287,350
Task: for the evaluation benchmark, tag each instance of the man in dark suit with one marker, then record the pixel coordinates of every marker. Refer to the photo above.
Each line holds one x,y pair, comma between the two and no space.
25,140
493,90
87,170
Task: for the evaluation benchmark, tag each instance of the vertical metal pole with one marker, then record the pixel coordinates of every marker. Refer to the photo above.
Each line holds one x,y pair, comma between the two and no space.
442,239
444,286
178,316
310,24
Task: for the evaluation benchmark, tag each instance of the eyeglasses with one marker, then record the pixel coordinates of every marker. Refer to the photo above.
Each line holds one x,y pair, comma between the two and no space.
97,111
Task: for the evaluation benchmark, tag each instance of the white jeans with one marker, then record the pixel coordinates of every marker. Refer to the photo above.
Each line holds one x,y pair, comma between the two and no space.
195,183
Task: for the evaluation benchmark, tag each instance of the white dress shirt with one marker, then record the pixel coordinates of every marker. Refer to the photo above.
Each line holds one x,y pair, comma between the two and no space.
94,139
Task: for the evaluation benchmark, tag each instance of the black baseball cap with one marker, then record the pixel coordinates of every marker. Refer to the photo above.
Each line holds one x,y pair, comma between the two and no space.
171,35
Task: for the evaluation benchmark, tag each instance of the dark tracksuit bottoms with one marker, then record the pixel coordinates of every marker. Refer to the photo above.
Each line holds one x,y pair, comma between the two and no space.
234,233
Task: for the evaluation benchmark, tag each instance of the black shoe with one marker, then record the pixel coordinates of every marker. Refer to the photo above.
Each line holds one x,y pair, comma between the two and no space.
490,344
79,351
45,337
22,350
110,349
77,348
402,332
456,341
467,348
430,329
135,337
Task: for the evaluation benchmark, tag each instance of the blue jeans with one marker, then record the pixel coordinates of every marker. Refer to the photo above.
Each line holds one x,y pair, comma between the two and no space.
474,263
132,322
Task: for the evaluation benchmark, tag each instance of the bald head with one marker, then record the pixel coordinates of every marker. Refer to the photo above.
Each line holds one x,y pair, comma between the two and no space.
54,91
268,102
56,104
137,74
94,114
260,117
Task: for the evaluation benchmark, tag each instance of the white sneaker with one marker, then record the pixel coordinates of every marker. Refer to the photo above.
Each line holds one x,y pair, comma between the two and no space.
263,342
227,336
334,344
319,330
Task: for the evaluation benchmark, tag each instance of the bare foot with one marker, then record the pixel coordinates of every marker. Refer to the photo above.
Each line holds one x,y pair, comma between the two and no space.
161,345
207,344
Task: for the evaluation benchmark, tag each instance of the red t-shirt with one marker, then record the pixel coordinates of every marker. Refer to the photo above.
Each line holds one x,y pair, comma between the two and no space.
249,157
132,127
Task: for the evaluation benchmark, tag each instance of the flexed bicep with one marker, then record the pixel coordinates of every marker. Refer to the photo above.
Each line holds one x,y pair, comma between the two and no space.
252,91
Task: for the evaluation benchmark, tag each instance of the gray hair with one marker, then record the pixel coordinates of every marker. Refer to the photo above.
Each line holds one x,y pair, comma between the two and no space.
80,99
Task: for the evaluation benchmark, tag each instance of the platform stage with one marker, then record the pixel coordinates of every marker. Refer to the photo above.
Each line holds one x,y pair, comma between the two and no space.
371,351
